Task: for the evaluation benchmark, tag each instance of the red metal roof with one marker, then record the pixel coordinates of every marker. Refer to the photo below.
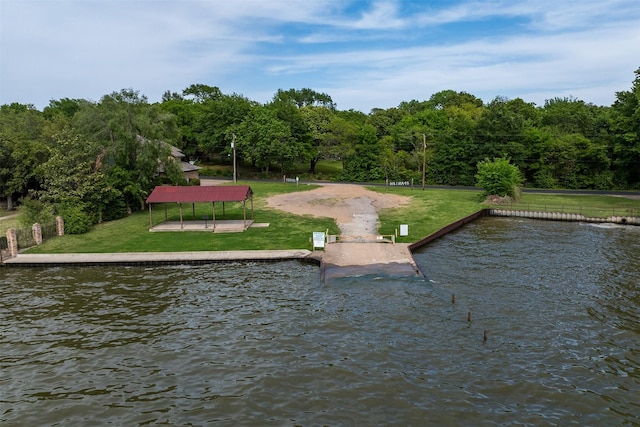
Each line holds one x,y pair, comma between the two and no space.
197,194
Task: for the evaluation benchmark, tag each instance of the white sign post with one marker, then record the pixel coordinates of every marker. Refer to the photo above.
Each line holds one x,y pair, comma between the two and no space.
318,239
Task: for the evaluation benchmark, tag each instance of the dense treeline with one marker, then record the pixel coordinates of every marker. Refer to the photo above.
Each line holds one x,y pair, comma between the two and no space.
99,160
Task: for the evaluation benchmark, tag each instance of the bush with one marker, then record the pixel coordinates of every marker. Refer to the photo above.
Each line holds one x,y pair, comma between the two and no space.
76,220
32,211
499,177
115,210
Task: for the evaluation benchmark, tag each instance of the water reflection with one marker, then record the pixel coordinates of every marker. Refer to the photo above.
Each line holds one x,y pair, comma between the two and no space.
268,344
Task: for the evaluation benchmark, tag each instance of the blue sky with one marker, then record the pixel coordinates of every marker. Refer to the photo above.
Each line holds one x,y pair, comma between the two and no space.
364,54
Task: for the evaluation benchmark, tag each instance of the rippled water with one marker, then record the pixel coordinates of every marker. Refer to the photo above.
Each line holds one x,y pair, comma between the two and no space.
268,344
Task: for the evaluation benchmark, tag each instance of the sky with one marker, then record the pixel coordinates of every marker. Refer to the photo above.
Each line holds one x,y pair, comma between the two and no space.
364,54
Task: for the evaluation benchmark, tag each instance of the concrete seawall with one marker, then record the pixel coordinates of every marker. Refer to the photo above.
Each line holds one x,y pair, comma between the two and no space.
405,261
562,216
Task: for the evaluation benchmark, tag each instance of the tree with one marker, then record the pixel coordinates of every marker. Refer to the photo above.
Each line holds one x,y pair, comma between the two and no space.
300,135
263,140
501,130
23,148
625,122
217,121
498,177
304,98
202,93
134,135
363,163
74,181
317,121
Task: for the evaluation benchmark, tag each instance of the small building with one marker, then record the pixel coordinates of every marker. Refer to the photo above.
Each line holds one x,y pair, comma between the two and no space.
189,169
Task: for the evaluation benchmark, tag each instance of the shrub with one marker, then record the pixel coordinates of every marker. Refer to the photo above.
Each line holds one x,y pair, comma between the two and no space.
32,211
499,177
76,220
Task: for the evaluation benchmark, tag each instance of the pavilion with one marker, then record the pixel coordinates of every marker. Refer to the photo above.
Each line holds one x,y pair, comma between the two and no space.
198,194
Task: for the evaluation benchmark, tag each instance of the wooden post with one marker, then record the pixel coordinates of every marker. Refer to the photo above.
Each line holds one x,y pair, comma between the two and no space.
244,211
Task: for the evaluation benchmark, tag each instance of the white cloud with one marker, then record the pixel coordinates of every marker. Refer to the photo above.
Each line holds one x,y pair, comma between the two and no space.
363,54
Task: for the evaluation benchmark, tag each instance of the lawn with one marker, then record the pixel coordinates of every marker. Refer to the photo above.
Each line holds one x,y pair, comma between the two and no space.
429,211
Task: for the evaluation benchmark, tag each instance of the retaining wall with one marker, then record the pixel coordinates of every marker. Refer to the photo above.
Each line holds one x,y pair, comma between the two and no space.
561,216
550,216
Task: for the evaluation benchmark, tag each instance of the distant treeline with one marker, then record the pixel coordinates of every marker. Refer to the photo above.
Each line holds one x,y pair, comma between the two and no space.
101,159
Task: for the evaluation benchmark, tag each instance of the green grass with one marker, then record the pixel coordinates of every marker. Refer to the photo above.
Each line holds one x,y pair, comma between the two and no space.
131,234
6,224
429,211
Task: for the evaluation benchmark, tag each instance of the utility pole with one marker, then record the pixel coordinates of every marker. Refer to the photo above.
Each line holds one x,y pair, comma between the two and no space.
233,146
424,159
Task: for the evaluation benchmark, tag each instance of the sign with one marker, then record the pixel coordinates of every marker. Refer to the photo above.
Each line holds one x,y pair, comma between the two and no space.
318,239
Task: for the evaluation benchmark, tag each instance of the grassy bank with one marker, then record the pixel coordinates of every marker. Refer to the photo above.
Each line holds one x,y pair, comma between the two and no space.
430,210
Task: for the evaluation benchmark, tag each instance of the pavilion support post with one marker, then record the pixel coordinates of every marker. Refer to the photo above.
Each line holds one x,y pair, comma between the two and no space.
244,213
193,211
150,218
214,216
252,217
181,223
166,217
224,216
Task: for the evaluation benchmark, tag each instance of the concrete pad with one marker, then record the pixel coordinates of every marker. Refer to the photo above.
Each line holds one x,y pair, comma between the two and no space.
220,226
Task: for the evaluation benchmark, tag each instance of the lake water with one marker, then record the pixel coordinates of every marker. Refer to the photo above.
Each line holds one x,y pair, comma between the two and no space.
267,344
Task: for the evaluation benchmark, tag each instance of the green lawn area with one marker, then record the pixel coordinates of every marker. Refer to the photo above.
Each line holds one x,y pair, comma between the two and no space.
7,223
429,210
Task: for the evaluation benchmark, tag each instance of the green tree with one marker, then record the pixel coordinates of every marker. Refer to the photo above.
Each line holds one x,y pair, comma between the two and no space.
74,181
134,135
218,121
317,120
498,177
23,148
301,139
264,140
625,122
501,130
363,163
304,98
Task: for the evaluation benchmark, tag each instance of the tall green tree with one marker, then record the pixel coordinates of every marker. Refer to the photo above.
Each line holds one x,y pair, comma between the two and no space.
218,121
264,140
74,181
317,120
304,97
135,135
23,149
363,162
625,123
